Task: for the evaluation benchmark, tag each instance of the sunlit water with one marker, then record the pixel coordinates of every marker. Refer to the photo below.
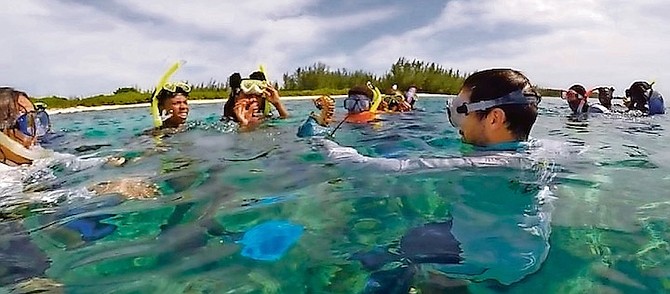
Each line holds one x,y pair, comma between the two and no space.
609,228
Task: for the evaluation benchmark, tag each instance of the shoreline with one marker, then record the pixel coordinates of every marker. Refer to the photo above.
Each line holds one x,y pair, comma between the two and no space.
199,101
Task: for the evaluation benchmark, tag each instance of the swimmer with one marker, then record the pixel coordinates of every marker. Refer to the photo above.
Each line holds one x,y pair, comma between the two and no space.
410,96
605,96
643,98
247,101
358,104
173,104
21,124
495,111
317,124
577,99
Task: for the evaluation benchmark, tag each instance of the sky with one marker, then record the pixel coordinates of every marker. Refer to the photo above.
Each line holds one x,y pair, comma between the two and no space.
77,48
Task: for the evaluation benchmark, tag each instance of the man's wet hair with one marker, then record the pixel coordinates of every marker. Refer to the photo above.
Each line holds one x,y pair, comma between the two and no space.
579,89
495,83
164,95
257,75
638,88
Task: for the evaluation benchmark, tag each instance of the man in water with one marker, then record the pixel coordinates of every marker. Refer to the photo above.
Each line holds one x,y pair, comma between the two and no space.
644,98
495,111
173,104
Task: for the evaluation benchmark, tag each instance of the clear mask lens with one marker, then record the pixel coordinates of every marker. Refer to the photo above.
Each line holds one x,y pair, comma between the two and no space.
34,123
357,103
254,87
455,118
172,87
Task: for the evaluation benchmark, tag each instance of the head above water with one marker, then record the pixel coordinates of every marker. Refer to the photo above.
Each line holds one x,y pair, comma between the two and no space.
173,103
359,99
605,96
638,91
16,122
577,98
495,106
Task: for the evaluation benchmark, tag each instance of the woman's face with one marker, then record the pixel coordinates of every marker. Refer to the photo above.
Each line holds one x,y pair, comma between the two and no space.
7,156
24,106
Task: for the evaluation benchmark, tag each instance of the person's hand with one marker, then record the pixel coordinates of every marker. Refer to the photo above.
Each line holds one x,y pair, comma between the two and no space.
327,107
272,95
245,110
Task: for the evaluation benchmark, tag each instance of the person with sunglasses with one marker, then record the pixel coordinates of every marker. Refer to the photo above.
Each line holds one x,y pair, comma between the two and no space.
250,100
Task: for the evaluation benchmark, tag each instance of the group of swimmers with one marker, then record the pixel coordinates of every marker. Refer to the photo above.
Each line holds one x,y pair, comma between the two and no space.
494,110
640,97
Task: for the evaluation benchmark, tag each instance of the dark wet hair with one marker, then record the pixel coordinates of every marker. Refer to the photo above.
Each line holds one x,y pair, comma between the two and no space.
638,99
579,89
164,95
257,75
494,83
235,81
361,90
605,96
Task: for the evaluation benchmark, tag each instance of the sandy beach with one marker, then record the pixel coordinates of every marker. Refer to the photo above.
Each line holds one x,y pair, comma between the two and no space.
200,101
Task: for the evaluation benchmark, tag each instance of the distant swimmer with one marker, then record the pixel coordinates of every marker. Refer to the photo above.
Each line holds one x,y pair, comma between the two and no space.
410,95
645,99
577,97
359,104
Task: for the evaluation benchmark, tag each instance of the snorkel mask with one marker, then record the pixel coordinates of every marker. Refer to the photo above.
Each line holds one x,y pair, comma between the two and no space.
457,109
34,123
253,87
173,87
357,103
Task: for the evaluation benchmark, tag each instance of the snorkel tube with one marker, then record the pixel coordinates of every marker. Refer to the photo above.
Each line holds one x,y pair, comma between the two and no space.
154,101
376,97
266,109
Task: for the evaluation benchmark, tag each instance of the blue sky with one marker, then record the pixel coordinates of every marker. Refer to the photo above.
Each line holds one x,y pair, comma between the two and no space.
80,48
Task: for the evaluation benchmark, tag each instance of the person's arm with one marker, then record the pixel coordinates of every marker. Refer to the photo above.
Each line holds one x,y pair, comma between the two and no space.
348,155
273,97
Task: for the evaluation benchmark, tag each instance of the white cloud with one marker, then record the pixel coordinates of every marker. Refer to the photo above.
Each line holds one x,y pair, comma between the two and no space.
590,42
66,48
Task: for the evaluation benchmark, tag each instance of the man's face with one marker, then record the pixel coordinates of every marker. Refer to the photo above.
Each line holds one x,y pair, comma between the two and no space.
178,107
472,129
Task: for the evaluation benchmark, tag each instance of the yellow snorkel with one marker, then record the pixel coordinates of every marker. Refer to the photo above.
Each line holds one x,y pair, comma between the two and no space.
376,97
266,109
154,102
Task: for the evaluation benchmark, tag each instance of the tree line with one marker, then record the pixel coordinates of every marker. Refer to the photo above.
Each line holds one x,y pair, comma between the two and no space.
315,79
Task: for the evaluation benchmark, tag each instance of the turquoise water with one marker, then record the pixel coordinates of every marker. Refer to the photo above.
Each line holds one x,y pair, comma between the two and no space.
609,225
